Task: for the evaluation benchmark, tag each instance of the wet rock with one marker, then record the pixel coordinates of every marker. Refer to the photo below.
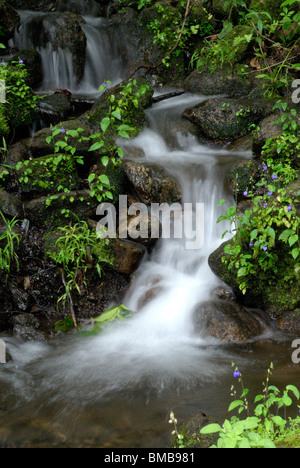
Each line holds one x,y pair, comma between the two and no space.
223,293
221,82
225,321
16,153
82,7
33,64
191,431
139,229
20,298
10,205
26,326
290,322
127,255
227,119
44,175
54,108
267,129
242,144
10,20
243,177
45,215
37,145
152,185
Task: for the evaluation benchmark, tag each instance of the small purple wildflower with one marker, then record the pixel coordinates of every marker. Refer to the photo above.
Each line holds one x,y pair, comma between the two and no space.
3,64
251,244
270,194
21,61
63,130
274,176
236,374
265,204
265,167
289,208
245,193
265,248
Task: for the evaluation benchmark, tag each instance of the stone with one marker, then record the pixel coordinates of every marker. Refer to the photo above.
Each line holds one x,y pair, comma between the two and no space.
54,108
221,82
225,321
20,298
152,185
227,119
33,63
26,326
9,20
10,205
47,216
267,129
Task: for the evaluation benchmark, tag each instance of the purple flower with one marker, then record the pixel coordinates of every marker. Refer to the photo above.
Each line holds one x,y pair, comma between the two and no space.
265,204
265,167
187,54
245,193
21,61
251,244
274,177
270,194
289,208
63,130
265,248
3,64
236,374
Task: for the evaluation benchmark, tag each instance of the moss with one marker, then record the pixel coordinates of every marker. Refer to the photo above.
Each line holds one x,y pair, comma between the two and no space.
238,48
44,175
4,129
270,6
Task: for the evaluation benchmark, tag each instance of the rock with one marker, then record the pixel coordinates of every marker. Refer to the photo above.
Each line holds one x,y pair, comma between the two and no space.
267,129
33,64
223,293
152,185
82,7
242,144
134,115
49,216
290,322
127,255
192,436
20,298
44,175
221,82
54,108
10,205
16,153
225,321
226,119
243,177
9,20
276,297
26,326
37,145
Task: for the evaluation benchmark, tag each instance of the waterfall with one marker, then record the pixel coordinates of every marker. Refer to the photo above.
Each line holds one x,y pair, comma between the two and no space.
99,58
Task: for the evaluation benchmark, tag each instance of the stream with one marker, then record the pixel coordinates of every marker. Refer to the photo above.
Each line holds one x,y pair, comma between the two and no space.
116,390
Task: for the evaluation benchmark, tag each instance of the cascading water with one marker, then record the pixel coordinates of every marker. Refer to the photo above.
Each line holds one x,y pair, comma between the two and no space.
118,388
82,70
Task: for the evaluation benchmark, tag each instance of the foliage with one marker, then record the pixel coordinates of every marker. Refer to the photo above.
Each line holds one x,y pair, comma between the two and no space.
74,252
267,35
265,426
20,103
270,229
9,243
120,312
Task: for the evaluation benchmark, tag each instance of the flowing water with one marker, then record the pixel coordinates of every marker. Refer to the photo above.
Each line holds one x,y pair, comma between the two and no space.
117,389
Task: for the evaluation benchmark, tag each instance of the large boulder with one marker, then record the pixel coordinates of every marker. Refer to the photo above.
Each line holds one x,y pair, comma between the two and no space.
221,82
227,119
33,63
225,321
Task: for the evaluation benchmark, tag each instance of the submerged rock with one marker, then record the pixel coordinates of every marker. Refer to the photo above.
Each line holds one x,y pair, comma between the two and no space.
226,321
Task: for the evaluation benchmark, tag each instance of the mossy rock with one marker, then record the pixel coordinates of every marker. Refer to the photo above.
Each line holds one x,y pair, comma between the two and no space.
270,6
4,128
46,174
238,49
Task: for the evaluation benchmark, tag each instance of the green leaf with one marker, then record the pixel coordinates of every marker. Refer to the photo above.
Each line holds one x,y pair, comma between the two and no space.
105,160
242,272
211,429
96,146
104,179
286,234
235,404
271,232
294,390
293,240
117,114
105,124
